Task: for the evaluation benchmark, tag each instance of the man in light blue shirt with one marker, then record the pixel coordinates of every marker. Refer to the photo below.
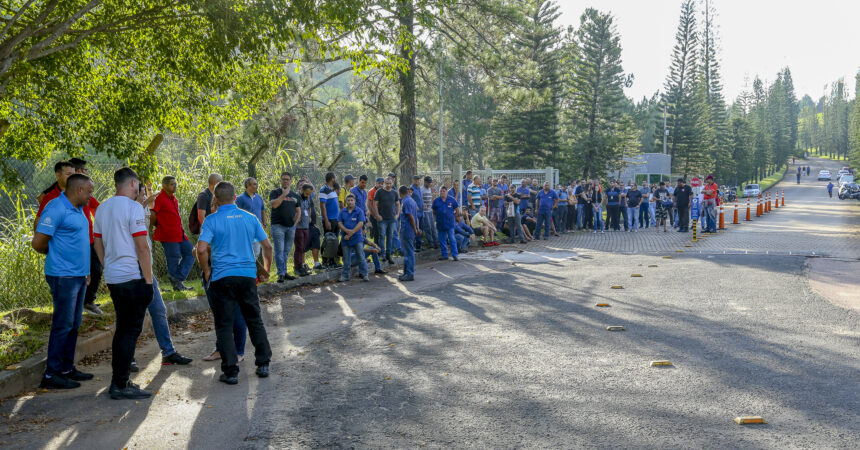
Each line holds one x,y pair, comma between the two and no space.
226,239
63,234
253,203
409,232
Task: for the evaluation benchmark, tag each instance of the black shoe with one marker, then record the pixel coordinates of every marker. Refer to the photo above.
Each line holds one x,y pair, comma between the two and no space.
302,272
456,258
229,379
365,278
443,258
289,277
263,371
405,278
280,278
58,382
390,261
380,272
133,367
175,358
77,375
131,391
183,287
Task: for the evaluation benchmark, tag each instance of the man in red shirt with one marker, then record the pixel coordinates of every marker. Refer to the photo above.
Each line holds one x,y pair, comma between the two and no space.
62,170
168,230
709,204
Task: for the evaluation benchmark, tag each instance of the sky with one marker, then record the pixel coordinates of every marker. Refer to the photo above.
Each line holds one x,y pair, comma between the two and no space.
818,40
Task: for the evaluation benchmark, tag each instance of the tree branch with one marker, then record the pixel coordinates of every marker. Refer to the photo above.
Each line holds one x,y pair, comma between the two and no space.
15,18
329,78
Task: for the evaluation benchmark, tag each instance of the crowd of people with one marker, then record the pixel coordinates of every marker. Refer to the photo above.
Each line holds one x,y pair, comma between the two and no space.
340,225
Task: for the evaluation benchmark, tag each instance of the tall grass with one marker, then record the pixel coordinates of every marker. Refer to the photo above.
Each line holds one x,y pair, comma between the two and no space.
22,279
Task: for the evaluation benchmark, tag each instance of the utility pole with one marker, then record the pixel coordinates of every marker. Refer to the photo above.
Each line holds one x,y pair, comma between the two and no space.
441,135
665,130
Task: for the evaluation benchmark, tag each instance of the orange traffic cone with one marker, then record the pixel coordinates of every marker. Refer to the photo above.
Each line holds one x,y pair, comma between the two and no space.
735,220
748,210
783,197
722,219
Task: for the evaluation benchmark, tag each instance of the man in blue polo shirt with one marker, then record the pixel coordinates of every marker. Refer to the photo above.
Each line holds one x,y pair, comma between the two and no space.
351,220
525,194
63,234
253,203
360,193
547,201
415,193
445,208
409,232
226,238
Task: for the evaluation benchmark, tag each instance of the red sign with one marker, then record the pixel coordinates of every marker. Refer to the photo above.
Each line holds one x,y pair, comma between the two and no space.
695,182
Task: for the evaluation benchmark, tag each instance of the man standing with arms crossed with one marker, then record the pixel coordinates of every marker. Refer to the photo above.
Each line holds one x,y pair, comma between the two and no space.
683,197
709,205
387,208
62,234
285,215
227,238
253,203
445,208
547,201
122,247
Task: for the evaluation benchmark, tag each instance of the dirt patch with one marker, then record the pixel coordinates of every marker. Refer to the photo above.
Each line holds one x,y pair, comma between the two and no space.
836,280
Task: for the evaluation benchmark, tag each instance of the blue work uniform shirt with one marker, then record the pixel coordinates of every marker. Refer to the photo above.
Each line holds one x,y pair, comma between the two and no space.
525,195
350,219
231,232
444,211
416,196
545,200
328,197
253,205
69,246
360,198
408,206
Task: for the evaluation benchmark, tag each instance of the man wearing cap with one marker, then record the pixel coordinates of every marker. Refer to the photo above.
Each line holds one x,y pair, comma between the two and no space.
416,197
709,204
683,196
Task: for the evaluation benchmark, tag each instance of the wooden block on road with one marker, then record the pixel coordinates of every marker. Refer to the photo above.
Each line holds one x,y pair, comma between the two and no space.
750,420
615,328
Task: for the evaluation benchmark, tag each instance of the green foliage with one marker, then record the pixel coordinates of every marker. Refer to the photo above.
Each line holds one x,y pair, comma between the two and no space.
526,133
599,132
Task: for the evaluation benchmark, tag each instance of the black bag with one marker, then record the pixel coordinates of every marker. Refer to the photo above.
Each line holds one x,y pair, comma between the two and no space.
329,245
193,221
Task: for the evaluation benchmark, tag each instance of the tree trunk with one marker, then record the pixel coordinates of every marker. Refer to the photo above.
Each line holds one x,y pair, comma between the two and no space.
408,151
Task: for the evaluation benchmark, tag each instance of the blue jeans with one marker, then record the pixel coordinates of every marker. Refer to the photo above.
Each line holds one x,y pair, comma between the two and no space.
643,216
515,228
632,216
386,236
68,294
579,215
416,241
283,238
348,250
598,219
462,242
408,243
429,229
446,239
179,258
652,211
158,314
710,217
240,328
373,257
543,220
559,216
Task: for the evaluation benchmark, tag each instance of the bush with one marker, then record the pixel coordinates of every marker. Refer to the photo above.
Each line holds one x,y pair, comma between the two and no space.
21,268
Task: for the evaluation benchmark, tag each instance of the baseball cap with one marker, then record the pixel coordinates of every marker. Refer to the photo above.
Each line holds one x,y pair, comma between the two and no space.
428,179
391,174
380,179
348,178
416,177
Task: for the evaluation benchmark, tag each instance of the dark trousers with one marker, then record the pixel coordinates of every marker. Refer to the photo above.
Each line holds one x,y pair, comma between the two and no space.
225,293
644,216
68,294
95,277
543,223
612,213
571,218
623,209
300,245
588,212
130,300
240,329
684,217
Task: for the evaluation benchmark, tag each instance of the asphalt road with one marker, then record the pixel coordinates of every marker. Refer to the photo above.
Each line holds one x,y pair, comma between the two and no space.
507,349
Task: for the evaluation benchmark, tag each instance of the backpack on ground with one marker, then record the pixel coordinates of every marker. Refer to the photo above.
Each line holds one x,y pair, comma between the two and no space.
329,245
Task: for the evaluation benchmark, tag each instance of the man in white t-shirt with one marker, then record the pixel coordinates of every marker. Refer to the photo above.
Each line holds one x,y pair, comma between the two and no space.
121,244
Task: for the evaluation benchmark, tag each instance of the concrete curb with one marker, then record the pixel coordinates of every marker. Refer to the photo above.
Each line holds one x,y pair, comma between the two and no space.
27,377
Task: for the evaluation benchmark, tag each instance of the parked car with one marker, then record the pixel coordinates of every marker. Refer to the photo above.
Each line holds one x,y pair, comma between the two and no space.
752,190
824,175
846,179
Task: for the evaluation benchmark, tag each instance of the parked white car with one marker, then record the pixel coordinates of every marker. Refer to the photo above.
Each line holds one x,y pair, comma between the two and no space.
752,190
824,175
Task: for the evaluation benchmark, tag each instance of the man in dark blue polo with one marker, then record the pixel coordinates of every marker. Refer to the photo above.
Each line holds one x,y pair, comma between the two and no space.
227,238
63,234
547,201
351,219
445,208
415,193
409,232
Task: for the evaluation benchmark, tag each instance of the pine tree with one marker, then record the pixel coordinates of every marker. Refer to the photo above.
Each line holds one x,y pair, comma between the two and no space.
684,99
601,133
792,108
762,145
724,165
854,152
526,135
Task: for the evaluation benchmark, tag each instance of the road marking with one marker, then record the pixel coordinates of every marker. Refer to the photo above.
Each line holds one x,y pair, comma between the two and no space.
749,420
615,328
661,363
